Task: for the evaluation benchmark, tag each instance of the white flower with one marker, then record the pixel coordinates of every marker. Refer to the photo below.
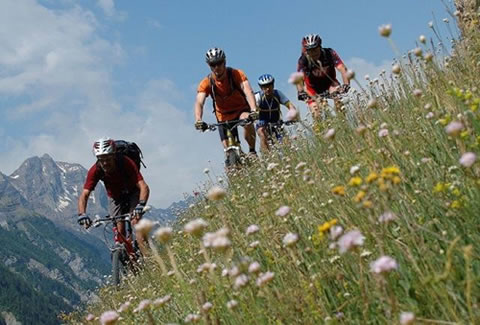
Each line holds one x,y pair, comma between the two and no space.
372,103
396,69
195,227
387,217
232,304
282,211
422,39
354,169
162,301
407,318
385,30
383,133
264,278
383,264
254,244
417,51
240,281
429,115
454,128
468,159
144,226
271,166
163,234
216,193
124,307
350,240
144,304
252,229
417,92
207,306
330,134
254,267
221,243
109,317
335,232
300,165
290,239
206,171
192,318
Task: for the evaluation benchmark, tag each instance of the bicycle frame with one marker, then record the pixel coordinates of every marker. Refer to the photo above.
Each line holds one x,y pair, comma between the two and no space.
275,130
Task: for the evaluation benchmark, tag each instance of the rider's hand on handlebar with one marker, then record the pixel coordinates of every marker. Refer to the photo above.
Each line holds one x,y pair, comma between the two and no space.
138,211
201,125
344,88
252,116
84,220
302,95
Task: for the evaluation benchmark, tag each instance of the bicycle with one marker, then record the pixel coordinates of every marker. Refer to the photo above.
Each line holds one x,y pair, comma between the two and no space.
233,152
275,131
124,250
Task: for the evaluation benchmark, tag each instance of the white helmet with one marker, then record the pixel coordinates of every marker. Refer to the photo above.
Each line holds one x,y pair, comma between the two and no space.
215,55
265,79
103,146
311,41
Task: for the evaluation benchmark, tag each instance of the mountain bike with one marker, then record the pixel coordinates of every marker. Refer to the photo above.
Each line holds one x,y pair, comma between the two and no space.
234,156
124,249
322,102
275,131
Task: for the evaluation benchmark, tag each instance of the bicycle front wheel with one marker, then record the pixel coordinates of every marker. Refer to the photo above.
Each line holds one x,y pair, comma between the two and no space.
118,267
232,159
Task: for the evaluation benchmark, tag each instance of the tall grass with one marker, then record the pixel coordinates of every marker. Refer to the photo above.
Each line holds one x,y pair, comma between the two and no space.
393,182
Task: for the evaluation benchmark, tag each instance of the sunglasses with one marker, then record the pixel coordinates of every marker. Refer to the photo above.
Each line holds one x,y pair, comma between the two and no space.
214,64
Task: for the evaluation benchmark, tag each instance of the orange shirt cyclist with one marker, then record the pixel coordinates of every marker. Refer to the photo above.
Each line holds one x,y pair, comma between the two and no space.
232,96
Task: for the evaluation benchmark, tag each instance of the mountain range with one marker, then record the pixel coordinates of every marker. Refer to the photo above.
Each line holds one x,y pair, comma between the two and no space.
49,264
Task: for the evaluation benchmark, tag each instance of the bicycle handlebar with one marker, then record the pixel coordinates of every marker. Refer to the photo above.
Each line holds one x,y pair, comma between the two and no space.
232,124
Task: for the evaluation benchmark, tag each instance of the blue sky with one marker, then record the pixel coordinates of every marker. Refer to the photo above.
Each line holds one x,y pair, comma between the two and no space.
73,71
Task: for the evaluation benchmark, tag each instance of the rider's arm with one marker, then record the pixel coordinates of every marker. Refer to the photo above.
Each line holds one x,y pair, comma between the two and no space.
199,102
343,71
247,90
82,201
144,190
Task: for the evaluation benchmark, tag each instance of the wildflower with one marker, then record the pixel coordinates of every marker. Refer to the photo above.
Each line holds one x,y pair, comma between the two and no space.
89,317
339,190
124,307
221,243
254,267
372,103
144,226
429,115
300,165
327,225
207,306
252,229
417,51
271,166
389,171
365,253
330,134
407,318
335,232
206,171
387,217
428,57
454,128
385,30
396,69
371,177
383,264
196,227
354,169
422,39
240,281
468,159
383,133
109,317
350,74
282,211
192,318
396,180
216,193
254,244
232,304
350,240
367,204
355,181
440,187
296,78
162,301
359,196
417,92
163,234
290,239
264,278
143,305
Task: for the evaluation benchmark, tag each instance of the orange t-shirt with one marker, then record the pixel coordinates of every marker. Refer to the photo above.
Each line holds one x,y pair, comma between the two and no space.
229,102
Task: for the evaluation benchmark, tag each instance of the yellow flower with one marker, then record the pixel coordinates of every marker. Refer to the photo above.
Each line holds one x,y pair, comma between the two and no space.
392,170
396,180
339,190
440,187
326,226
367,204
360,195
455,204
464,134
371,177
355,181
456,192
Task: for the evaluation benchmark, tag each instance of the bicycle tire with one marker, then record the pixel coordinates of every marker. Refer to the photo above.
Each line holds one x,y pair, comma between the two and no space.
232,159
117,266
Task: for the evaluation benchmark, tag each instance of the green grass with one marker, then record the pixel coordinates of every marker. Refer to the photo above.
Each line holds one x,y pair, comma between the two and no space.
413,172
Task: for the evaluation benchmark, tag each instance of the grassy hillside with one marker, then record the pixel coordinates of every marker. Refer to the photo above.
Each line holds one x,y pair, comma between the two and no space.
374,221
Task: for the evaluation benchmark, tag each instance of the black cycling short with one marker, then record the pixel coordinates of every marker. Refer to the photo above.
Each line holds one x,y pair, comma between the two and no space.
222,129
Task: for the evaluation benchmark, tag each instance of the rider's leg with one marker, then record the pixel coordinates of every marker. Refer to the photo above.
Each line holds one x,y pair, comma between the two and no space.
249,132
263,138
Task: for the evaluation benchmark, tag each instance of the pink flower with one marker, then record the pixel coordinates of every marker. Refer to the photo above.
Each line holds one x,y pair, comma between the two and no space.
296,78
383,264
252,229
254,267
144,304
454,128
383,133
330,134
109,317
90,317
282,211
387,216
468,159
264,278
407,318
350,240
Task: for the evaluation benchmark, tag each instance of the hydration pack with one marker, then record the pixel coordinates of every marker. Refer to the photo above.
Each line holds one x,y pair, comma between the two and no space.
131,150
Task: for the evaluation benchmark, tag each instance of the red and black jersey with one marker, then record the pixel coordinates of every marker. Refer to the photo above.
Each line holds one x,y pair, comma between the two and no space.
122,181
320,74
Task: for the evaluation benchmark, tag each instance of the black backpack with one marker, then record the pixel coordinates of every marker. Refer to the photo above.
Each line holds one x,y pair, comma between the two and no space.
125,148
